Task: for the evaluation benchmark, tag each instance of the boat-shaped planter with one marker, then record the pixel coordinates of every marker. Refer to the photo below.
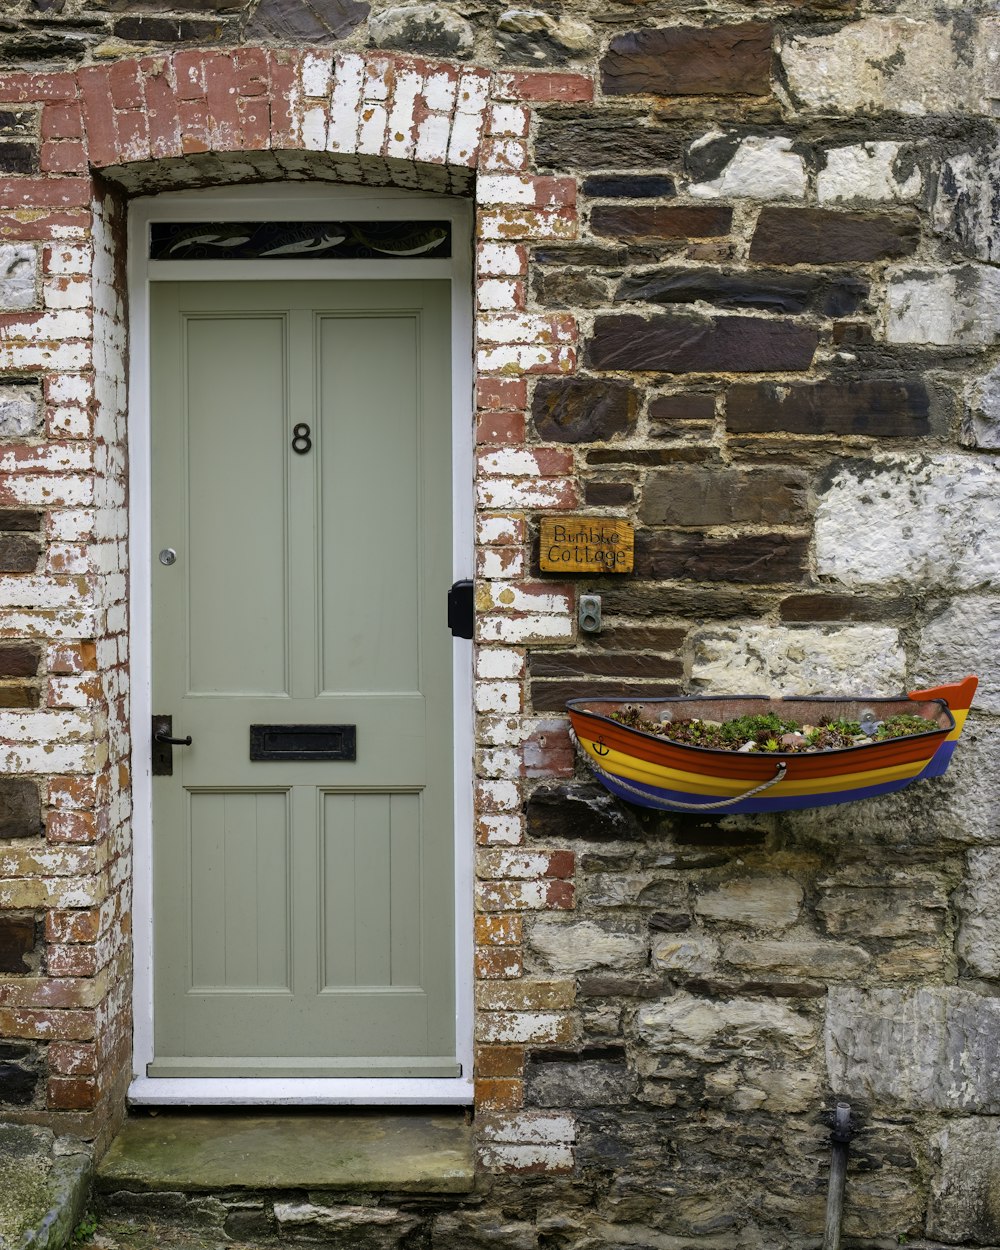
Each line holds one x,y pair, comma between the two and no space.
652,771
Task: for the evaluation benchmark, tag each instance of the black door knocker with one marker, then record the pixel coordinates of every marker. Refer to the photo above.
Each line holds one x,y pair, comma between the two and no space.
301,442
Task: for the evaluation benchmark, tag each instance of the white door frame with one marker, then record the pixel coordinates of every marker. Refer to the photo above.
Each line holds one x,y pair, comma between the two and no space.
294,202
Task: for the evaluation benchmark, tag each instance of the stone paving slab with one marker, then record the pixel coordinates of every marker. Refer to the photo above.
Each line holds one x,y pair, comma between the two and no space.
381,1151
44,1183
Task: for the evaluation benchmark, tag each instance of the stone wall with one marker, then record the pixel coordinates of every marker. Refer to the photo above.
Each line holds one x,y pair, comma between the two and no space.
735,282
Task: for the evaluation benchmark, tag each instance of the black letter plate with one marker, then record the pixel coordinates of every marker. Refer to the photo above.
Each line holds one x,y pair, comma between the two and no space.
303,742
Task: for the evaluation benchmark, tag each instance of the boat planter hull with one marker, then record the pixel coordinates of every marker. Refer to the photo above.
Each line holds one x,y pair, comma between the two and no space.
651,771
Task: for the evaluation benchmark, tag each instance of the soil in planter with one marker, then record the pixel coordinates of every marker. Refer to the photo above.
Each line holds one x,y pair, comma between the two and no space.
770,733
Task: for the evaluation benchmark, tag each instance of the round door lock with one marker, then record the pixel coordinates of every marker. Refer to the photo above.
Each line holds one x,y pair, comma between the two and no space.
168,555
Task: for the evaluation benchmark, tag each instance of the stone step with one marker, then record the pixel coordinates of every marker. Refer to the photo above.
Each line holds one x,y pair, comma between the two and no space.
359,1178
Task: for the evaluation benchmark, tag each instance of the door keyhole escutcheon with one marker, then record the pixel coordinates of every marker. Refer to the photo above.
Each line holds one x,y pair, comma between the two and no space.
301,438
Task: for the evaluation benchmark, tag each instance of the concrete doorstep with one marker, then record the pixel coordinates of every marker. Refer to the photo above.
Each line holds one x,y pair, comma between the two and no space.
364,1179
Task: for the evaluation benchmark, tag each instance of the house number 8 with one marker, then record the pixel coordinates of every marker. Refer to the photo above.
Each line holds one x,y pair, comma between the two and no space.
301,442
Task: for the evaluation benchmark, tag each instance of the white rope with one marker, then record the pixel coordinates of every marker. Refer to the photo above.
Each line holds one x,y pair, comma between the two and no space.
667,805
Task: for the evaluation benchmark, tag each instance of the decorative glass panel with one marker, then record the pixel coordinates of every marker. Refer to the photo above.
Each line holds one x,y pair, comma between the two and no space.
299,240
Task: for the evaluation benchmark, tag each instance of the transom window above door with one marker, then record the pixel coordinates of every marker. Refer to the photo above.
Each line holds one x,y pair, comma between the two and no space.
300,240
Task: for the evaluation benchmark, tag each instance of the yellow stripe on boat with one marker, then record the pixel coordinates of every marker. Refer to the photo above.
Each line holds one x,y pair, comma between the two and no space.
630,768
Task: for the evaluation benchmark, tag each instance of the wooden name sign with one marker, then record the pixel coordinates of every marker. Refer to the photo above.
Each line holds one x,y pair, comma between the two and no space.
586,544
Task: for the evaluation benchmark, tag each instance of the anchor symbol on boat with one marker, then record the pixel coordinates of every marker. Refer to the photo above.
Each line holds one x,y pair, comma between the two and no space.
600,748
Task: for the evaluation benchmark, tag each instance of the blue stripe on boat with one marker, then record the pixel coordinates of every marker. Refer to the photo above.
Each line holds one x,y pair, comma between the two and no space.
940,760
763,804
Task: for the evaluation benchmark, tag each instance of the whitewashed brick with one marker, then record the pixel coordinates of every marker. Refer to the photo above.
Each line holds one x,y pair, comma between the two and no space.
520,1026
509,119
494,663
50,457
503,155
401,142
498,696
371,136
525,328
500,562
314,128
497,295
499,762
44,355
65,259
46,490
497,529
516,598
500,796
502,830
499,731
524,492
505,189
511,1158
67,293
526,358
531,627
534,1127
501,260
345,102
432,138
317,74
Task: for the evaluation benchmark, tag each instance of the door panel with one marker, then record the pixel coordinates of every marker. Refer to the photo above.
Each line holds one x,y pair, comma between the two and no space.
303,910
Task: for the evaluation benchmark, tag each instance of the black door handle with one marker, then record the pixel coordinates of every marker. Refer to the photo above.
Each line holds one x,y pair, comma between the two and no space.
163,746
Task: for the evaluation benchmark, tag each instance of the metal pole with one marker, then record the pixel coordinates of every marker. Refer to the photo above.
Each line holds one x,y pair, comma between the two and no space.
840,1139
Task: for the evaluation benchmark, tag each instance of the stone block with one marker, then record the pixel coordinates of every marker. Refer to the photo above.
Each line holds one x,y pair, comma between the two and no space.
770,290
877,407
535,37
937,1047
981,414
608,494
693,955
678,344
17,943
20,411
756,902
690,60
868,171
659,221
924,521
756,559
19,553
601,664
957,307
584,945
965,1182
18,279
691,406
758,659
964,209
754,167
876,902
574,811
18,158
344,1227
701,1029
628,186
19,659
978,899
169,29
583,410
708,496
597,140
471,1229
928,72
817,236
963,638
20,519
20,809
823,960
569,288
589,1078
423,29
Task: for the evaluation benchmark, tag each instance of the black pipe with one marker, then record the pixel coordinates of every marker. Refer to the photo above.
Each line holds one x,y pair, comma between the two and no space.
840,1140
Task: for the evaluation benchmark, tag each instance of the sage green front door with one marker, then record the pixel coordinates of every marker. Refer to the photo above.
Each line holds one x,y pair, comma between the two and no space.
302,542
